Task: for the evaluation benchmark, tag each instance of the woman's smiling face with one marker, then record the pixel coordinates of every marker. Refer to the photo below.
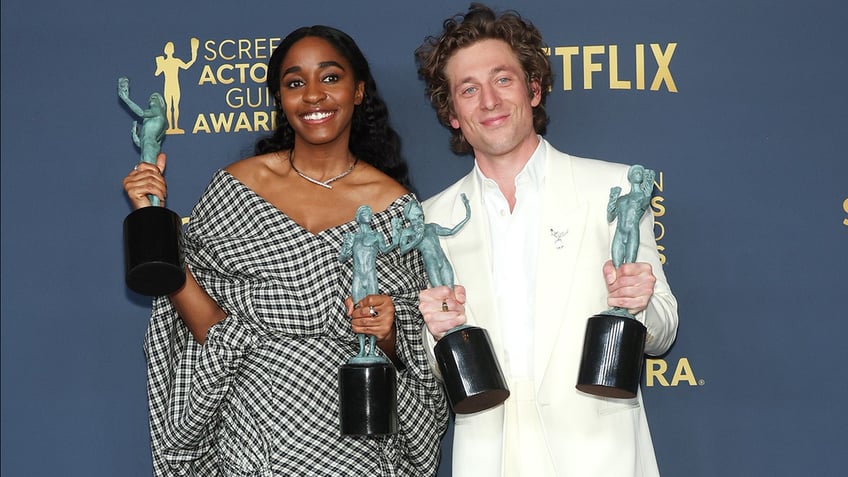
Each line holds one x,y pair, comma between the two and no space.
318,91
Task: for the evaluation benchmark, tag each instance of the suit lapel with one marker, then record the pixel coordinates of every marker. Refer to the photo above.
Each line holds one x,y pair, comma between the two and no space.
470,252
563,218
562,225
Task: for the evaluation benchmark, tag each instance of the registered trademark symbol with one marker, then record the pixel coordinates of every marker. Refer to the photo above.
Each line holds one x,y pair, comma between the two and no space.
701,382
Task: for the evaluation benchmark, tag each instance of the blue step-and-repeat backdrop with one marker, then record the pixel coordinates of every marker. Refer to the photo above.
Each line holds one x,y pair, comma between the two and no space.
740,107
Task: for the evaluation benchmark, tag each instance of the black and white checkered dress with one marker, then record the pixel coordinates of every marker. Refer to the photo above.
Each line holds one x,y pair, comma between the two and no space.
260,397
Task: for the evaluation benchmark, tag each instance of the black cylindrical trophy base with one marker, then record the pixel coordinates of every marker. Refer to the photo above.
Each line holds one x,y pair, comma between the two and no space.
152,252
368,399
473,378
613,352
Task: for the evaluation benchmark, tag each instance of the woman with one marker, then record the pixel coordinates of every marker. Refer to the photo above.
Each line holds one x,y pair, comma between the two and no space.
267,299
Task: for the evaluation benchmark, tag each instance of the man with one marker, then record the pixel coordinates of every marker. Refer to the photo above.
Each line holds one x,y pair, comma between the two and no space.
533,263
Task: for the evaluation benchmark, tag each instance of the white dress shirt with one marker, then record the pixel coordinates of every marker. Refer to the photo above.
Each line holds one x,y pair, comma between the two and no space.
514,247
514,251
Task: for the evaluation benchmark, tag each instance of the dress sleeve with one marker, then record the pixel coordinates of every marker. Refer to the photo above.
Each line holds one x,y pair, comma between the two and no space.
186,380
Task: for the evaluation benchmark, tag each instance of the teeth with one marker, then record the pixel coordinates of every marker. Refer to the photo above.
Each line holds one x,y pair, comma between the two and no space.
316,116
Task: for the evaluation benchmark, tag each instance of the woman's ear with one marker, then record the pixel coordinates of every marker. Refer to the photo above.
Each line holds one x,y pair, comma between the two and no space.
359,95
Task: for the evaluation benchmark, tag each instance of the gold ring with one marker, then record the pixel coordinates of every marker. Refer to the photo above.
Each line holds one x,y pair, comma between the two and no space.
444,306
372,311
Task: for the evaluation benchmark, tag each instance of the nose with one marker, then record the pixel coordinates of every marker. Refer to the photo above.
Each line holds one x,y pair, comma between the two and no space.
489,97
313,92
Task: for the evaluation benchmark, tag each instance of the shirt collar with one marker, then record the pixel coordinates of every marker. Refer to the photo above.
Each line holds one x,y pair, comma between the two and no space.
532,174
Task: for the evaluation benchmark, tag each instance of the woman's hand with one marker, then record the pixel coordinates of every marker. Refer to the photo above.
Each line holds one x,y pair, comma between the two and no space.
374,315
146,179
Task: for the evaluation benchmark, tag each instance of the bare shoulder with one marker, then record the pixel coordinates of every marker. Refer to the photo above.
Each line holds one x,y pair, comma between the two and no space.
256,170
377,189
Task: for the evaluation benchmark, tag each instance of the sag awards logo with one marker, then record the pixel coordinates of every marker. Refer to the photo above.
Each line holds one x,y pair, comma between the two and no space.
234,70
168,66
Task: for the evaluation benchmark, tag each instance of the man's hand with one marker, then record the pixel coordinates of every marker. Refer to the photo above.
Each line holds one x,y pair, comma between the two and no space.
443,309
629,287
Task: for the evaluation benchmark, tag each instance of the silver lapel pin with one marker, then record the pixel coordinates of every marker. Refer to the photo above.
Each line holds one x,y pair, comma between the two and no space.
558,243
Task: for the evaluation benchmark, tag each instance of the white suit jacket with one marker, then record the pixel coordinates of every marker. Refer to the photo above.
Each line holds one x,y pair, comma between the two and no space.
586,435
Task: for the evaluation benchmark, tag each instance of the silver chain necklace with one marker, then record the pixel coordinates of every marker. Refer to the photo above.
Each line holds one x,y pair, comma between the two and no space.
325,183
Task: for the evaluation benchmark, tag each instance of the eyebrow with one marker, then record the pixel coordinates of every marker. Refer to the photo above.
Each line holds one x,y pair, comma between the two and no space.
323,64
492,72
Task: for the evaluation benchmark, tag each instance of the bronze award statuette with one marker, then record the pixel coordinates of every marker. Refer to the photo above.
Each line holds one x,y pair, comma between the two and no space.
152,235
614,344
471,372
368,381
